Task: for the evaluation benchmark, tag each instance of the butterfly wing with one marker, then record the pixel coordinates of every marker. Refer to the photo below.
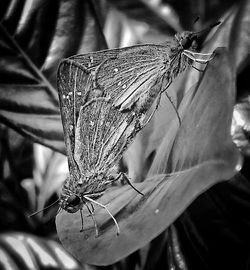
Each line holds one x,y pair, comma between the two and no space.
98,134
102,135
128,74
88,130
104,129
73,86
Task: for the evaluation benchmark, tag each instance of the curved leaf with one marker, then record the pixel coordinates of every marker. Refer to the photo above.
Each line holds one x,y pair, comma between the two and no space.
190,172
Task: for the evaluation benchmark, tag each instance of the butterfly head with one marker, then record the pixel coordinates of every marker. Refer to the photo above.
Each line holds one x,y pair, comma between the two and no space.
71,203
187,40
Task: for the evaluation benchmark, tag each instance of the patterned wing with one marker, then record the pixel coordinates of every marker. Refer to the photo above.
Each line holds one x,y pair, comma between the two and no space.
97,133
102,135
128,74
73,86
105,129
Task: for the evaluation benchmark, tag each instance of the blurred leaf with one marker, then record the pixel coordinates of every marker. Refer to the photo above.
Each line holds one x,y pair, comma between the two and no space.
121,31
241,126
16,156
12,213
25,251
160,16
114,28
29,186
196,156
207,11
26,97
50,172
30,53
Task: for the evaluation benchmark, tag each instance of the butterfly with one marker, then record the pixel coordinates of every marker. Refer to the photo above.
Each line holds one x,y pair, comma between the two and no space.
105,97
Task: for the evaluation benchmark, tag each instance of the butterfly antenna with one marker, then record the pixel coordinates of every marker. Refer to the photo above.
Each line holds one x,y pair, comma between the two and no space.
94,220
207,29
81,220
93,209
45,208
122,174
173,105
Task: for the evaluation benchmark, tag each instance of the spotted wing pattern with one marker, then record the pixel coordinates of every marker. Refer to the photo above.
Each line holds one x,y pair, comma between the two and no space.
102,135
73,86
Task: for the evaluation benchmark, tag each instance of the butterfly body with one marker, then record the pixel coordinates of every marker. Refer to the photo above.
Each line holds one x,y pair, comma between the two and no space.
105,98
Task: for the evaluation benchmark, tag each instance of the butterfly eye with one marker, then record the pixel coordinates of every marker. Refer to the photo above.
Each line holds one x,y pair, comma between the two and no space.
73,200
194,45
187,43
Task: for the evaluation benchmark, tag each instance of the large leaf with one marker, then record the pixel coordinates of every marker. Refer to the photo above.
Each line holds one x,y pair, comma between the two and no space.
195,156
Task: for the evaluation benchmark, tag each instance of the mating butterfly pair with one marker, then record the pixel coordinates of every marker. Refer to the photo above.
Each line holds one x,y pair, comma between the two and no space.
104,98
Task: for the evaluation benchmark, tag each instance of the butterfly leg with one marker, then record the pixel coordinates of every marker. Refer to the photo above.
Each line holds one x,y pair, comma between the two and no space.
124,176
81,220
193,56
158,102
59,210
91,212
200,70
171,101
105,207
156,107
198,53
92,208
153,112
201,61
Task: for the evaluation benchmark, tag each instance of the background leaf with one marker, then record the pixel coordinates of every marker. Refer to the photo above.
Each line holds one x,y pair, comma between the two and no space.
30,54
